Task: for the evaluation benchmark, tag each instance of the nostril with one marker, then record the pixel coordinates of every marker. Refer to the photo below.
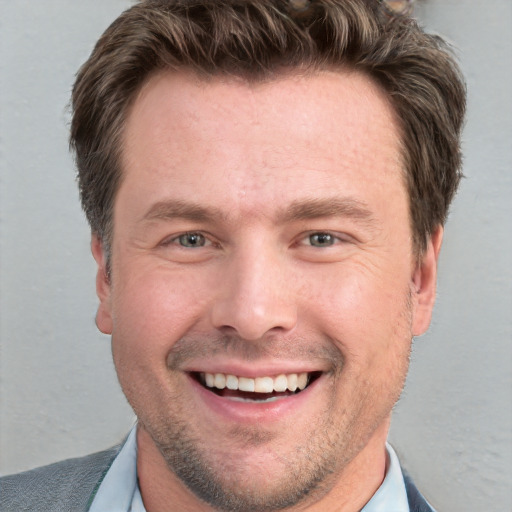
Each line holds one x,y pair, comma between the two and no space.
252,303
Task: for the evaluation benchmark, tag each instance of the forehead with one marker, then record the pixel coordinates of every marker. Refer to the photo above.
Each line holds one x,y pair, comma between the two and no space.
285,137
330,98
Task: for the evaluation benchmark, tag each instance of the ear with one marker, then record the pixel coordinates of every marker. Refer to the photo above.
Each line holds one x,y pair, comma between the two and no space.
424,283
103,287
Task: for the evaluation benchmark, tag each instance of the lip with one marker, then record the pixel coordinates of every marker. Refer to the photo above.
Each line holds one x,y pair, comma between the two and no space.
232,411
251,371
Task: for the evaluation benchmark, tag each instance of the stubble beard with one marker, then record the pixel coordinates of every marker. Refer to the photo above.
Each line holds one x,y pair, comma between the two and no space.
308,472
216,474
304,475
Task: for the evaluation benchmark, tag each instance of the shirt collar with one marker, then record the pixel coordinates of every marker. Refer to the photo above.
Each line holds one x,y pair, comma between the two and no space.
391,495
118,487
119,490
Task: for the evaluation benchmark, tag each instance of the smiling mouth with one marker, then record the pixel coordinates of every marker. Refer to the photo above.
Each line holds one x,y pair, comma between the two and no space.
259,389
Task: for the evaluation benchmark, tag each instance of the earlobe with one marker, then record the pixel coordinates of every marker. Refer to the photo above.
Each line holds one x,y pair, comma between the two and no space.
424,283
103,315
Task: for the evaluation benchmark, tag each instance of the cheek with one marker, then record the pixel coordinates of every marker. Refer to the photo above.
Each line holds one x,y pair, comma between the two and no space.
154,307
369,320
364,310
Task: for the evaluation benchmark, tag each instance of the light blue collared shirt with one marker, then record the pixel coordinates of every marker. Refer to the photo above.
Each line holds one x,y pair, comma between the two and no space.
119,490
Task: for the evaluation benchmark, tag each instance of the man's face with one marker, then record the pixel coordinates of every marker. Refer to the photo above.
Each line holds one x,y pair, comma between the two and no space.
261,232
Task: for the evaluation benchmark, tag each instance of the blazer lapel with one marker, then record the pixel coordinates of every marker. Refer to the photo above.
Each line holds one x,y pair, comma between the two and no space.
417,503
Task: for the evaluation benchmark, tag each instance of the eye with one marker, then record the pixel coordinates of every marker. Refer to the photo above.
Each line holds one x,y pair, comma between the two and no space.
188,247
321,239
191,240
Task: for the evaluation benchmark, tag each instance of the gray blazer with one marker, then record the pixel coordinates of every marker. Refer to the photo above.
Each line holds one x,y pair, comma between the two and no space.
70,486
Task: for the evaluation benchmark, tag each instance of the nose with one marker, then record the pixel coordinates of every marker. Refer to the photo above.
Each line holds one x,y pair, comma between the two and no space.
256,295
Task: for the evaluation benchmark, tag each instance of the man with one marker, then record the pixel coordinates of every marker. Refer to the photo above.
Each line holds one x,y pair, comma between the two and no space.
266,183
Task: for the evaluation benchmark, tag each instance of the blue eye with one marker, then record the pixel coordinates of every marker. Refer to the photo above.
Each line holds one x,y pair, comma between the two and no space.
322,239
192,240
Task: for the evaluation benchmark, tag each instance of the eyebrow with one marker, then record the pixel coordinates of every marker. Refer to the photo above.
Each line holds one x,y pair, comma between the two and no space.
308,209
176,209
305,209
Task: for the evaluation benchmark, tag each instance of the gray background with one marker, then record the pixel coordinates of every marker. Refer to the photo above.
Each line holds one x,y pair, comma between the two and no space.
58,390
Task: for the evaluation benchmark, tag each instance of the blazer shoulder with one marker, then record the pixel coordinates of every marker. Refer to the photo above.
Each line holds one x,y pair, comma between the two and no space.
63,486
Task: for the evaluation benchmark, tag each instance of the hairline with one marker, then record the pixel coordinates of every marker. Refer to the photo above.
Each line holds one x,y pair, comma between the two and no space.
256,78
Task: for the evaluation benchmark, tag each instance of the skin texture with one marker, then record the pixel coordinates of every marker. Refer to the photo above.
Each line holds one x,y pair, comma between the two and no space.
273,164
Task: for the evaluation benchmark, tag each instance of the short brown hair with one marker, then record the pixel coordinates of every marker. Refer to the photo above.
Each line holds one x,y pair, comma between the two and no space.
255,39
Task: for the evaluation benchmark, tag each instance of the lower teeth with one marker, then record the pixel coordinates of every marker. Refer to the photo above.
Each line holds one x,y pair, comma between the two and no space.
264,400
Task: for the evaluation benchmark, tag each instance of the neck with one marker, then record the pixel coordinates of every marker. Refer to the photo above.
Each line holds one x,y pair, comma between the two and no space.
350,491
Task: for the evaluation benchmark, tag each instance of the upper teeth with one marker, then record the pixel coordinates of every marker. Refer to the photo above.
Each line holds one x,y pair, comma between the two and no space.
280,383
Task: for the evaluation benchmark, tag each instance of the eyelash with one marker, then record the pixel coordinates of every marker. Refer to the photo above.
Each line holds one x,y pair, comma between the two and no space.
334,238
175,240
323,234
